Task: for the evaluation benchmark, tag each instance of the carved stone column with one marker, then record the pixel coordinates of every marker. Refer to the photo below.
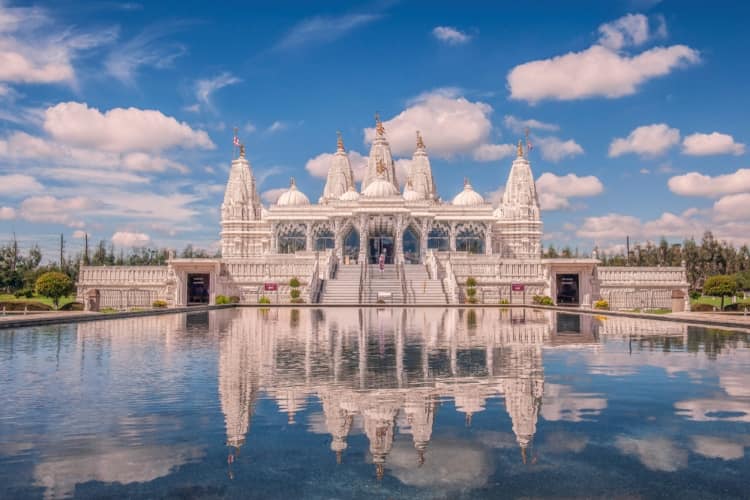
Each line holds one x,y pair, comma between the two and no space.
309,237
452,237
488,240
363,237
399,230
425,229
274,238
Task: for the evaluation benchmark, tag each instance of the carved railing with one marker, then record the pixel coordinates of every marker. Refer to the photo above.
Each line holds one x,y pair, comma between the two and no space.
122,275
362,278
402,277
313,287
432,265
612,275
451,285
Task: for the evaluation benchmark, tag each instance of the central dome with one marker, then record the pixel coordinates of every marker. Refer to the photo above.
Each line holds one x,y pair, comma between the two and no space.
350,195
292,197
468,197
380,188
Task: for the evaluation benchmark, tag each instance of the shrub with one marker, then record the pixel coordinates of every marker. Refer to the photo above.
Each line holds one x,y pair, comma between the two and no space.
721,285
380,301
222,299
108,310
21,306
504,302
471,299
297,300
542,300
264,300
601,304
740,295
294,283
471,292
72,306
733,307
695,294
471,281
294,293
702,307
234,299
54,285
159,304
25,293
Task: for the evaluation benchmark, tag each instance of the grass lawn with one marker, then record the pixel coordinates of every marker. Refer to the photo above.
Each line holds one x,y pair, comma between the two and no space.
716,301
9,297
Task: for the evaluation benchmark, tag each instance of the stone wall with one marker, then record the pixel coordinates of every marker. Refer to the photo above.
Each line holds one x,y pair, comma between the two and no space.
123,287
641,287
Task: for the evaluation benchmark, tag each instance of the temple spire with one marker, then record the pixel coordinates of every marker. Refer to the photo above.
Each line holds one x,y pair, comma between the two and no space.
379,128
339,141
520,149
420,142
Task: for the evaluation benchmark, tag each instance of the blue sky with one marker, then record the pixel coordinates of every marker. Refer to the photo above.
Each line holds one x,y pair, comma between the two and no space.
116,118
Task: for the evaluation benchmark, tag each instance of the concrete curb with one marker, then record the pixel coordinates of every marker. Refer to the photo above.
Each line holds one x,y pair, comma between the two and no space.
24,321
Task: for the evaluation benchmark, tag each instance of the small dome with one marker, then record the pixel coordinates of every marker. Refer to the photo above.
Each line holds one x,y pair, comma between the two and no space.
292,197
410,194
351,195
468,197
381,188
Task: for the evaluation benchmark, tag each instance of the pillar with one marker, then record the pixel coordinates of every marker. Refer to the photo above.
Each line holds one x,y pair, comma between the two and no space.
452,237
309,237
488,241
425,229
363,237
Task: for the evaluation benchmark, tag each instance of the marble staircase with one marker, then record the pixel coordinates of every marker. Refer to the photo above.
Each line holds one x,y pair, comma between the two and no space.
383,283
420,289
344,288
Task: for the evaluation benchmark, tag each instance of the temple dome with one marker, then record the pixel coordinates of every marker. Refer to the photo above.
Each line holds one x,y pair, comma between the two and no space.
292,197
350,195
410,194
381,188
468,197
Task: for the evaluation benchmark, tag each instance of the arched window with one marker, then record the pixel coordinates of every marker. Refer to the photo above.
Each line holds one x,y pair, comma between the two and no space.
324,239
351,245
291,239
411,245
470,238
438,238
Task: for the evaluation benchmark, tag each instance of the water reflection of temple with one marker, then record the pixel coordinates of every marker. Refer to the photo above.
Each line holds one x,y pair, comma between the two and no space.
386,369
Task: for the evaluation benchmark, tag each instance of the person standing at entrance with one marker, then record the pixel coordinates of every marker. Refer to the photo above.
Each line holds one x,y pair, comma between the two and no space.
381,262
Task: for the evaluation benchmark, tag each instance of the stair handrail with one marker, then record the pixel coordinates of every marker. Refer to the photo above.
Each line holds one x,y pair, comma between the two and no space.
362,277
450,282
402,277
432,265
313,287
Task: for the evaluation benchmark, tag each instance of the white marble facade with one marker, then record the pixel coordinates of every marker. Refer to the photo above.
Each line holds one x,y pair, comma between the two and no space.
409,224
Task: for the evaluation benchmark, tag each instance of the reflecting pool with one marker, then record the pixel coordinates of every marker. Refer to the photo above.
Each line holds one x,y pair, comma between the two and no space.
391,403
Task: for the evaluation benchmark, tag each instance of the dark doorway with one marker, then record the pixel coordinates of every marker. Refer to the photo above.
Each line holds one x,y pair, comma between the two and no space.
567,290
411,246
351,246
381,244
198,288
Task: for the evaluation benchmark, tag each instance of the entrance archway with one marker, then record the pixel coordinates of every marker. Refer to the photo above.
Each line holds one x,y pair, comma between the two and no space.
351,246
381,243
567,290
198,288
411,246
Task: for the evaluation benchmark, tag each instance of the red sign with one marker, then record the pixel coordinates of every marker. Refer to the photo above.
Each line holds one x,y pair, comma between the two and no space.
517,287
270,287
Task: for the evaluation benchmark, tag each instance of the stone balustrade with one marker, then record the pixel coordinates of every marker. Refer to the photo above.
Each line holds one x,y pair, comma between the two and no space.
641,275
119,275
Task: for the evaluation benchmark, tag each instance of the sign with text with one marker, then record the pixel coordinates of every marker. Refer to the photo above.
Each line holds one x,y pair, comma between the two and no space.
517,287
270,287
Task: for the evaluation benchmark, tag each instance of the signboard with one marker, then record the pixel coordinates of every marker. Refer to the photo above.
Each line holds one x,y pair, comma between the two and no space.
517,287
270,287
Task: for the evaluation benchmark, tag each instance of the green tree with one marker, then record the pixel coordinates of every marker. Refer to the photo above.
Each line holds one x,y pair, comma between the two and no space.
54,284
720,285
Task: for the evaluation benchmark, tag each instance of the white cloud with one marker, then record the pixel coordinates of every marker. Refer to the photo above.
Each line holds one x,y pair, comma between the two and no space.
519,126
271,195
145,49
609,227
142,162
596,71
79,176
205,88
120,130
323,29
450,124
57,210
249,128
555,149
555,191
647,140
128,239
715,447
655,452
34,49
79,234
277,126
492,152
318,166
697,184
450,35
7,213
18,185
711,144
732,207
631,29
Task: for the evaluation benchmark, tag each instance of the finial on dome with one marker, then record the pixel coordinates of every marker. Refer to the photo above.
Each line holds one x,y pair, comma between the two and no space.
379,125
242,150
520,149
466,182
420,142
292,182
339,141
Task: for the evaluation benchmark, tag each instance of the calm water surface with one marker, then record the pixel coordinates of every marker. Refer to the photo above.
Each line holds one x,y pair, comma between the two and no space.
397,403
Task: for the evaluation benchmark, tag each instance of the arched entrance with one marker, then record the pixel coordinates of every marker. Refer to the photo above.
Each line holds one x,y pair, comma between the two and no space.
411,246
381,243
350,251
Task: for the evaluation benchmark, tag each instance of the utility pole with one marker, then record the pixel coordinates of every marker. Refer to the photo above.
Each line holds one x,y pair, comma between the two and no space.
62,249
627,250
86,248
15,254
